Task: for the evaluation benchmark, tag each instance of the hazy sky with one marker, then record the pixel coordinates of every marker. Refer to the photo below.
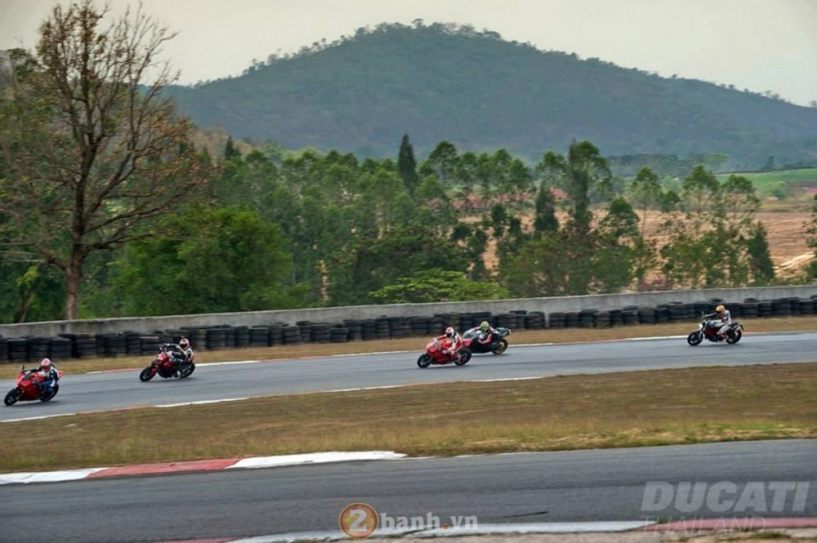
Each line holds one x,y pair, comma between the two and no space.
756,44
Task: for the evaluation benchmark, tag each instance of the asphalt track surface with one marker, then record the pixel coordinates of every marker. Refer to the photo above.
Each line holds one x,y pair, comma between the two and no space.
514,488
117,390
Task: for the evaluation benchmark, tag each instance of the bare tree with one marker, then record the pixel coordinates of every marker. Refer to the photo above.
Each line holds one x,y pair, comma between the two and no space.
90,149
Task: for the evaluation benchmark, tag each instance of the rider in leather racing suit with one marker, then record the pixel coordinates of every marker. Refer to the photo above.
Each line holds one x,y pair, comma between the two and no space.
451,343
48,372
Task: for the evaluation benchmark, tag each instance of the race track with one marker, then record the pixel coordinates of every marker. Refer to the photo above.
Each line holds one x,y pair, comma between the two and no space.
606,485
116,390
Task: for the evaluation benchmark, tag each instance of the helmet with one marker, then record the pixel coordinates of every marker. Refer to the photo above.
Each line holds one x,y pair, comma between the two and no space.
183,343
719,309
449,332
484,326
46,363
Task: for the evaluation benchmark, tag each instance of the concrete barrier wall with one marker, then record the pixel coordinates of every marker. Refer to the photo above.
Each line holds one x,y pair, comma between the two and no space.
565,304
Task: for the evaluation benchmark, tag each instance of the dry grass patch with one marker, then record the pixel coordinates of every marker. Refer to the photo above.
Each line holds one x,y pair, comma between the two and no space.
288,352
570,412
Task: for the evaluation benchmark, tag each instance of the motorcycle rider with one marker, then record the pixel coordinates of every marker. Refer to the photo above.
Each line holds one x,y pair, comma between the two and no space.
725,318
181,353
486,333
451,342
48,376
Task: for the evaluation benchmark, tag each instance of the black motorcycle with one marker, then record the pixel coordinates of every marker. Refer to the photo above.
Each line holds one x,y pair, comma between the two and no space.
708,329
497,346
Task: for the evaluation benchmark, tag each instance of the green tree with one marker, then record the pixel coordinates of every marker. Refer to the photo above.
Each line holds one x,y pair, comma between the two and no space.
442,162
207,261
407,165
760,260
436,285
91,146
710,232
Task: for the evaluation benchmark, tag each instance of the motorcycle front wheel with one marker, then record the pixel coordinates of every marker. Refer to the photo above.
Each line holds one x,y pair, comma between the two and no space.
147,374
695,338
12,397
424,361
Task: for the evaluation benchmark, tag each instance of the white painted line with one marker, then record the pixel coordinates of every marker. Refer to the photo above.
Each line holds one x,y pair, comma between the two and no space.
41,417
314,458
501,379
46,476
231,363
487,529
365,388
202,402
361,354
540,528
653,338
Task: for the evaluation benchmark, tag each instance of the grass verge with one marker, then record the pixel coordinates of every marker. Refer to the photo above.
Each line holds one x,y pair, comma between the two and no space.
282,352
630,409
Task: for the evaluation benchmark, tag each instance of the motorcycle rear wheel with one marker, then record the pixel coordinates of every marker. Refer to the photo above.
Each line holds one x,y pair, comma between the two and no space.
695,338
501,347
49,397
188,370
465,356
12,397
147,374
424,361
734,337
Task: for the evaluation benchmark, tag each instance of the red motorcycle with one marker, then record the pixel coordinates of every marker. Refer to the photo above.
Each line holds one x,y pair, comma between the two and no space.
27,388
434,355
165,366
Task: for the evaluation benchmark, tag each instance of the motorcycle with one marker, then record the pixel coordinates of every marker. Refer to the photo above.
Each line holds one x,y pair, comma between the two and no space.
434,355
498,346
163,365
708,329
27,388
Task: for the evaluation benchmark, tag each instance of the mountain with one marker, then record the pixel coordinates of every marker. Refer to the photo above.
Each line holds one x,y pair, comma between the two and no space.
446,82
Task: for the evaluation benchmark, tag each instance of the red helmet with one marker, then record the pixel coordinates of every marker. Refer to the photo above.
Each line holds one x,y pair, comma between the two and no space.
183,343
449,332
46,363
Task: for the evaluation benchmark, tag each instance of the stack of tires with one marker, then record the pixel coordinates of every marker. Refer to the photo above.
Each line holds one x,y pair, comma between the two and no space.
292,335
259,336
556,319
320,332
535,320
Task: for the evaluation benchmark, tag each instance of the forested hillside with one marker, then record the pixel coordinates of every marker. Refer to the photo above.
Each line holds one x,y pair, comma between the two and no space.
443,82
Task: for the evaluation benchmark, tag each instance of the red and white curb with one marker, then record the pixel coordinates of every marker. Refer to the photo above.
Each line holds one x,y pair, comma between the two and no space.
687,527
195,466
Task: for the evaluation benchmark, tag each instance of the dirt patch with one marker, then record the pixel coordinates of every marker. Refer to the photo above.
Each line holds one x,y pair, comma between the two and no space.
785,233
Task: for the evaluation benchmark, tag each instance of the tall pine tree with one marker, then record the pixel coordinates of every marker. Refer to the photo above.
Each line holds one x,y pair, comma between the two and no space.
407,165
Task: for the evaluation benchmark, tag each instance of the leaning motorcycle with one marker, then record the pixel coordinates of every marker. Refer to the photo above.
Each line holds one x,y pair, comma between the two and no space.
708,329
29,388
434,355
497,346
164,366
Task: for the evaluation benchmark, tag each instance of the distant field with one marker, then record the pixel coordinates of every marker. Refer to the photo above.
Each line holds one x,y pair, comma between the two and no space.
764,179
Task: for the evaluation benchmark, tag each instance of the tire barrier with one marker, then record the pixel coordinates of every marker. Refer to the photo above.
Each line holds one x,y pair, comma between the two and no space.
110,345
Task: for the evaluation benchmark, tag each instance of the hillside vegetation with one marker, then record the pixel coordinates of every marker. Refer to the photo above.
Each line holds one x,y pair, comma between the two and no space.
440,82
